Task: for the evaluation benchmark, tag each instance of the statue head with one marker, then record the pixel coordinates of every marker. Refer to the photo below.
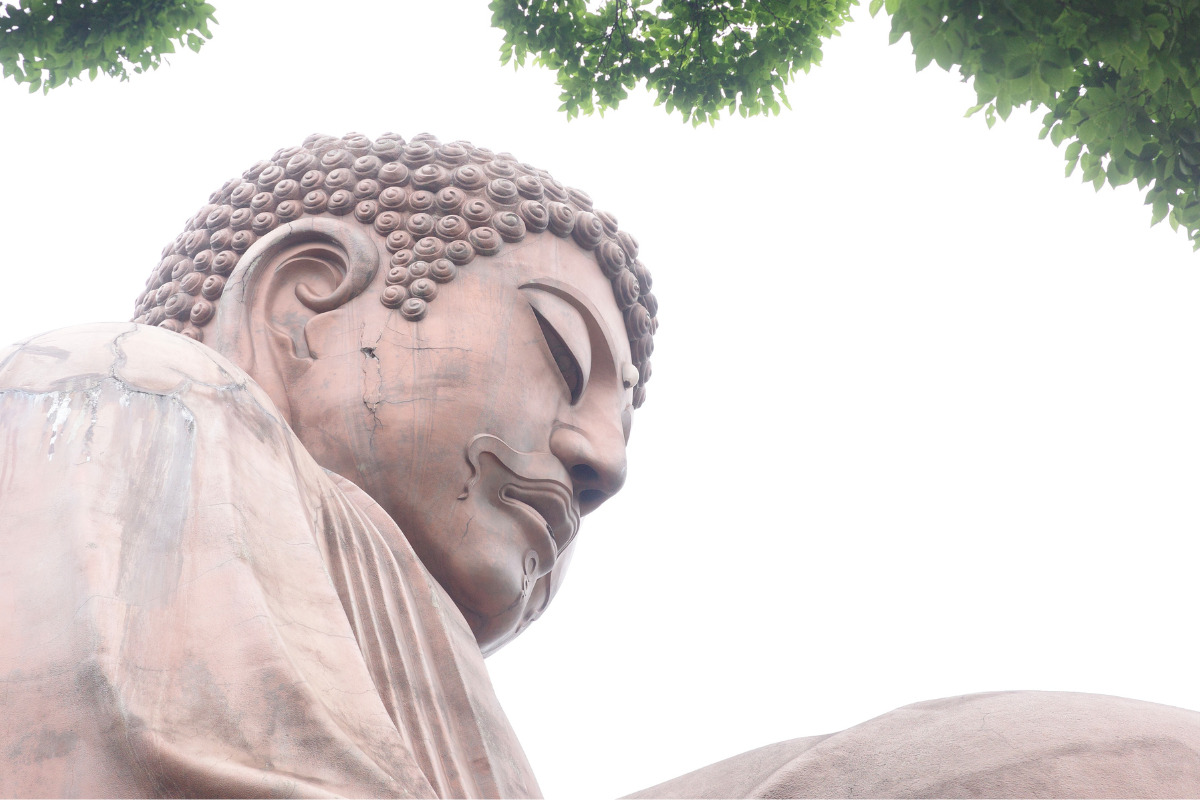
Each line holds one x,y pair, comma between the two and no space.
453,331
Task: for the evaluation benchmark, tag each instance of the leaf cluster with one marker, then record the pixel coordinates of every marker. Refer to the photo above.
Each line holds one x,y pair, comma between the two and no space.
1119,81
46,43
700,58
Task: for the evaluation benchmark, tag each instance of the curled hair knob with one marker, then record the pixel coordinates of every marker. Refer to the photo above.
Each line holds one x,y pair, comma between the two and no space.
316,201
451,227
366,210
212,287
536,217
192,282
201,312
460,252
443,270
340,179
429,248
469,177
399,240
414,309
393,296
218,218
420,224
366,189
242,241
313,179
225,261
393,174
289,210
423,288
611,257
367,166
387,222
392,197
430,177
477,212
485,241
421,200
299,164
562,218
340,202
588,231
263,222
510,226
269,177
625,289
450,199
287,189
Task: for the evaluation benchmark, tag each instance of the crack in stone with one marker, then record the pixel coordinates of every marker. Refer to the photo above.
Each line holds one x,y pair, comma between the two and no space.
372,382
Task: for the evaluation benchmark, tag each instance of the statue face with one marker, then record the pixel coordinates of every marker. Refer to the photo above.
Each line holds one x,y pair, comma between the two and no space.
486,429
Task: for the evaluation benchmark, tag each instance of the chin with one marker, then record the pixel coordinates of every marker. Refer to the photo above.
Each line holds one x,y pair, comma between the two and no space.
489,584
497,629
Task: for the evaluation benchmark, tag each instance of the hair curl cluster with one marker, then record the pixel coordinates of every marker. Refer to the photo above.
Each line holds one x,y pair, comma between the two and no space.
437,207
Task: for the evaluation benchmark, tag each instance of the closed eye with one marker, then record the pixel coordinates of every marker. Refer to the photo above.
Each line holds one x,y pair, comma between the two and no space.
568,366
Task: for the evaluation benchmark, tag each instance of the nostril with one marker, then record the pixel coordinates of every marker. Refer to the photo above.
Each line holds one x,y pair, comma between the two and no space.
584,474
590,498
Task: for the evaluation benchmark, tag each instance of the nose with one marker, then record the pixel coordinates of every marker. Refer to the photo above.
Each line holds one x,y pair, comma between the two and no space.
595,458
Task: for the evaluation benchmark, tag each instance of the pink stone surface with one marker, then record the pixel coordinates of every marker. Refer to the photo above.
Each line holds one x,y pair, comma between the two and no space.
194,607
1003,744
272,563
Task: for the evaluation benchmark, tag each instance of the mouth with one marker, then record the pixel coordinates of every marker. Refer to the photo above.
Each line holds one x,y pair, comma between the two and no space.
553,505
533,485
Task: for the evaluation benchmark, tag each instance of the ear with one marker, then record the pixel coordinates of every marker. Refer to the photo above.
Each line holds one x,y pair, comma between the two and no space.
287,280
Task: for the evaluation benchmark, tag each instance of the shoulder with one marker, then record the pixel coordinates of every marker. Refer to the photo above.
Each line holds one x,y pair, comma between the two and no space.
140,357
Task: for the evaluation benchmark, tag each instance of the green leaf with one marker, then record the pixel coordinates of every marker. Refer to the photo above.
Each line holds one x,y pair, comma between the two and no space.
875,6
1004,105
1159,213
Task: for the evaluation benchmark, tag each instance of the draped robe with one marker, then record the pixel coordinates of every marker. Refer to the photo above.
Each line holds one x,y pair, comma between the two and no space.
194,607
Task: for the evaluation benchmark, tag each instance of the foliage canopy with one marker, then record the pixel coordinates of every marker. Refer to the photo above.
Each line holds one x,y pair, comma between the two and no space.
1119,80
701,58
46,43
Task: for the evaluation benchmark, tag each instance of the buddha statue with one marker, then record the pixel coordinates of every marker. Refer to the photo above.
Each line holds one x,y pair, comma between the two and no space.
263,535
259,540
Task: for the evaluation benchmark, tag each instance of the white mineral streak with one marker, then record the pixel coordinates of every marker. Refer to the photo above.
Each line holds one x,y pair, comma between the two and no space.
60,407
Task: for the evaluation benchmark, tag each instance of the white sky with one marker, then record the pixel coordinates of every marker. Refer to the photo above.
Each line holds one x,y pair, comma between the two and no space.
925,416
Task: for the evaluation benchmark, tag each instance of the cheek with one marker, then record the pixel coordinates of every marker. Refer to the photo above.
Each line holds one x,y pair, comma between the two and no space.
525,395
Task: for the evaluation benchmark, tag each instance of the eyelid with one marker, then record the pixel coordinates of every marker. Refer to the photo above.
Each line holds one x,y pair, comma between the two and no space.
565,322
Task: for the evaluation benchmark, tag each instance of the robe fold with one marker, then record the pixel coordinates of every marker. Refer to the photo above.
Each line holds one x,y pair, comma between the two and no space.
196,608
